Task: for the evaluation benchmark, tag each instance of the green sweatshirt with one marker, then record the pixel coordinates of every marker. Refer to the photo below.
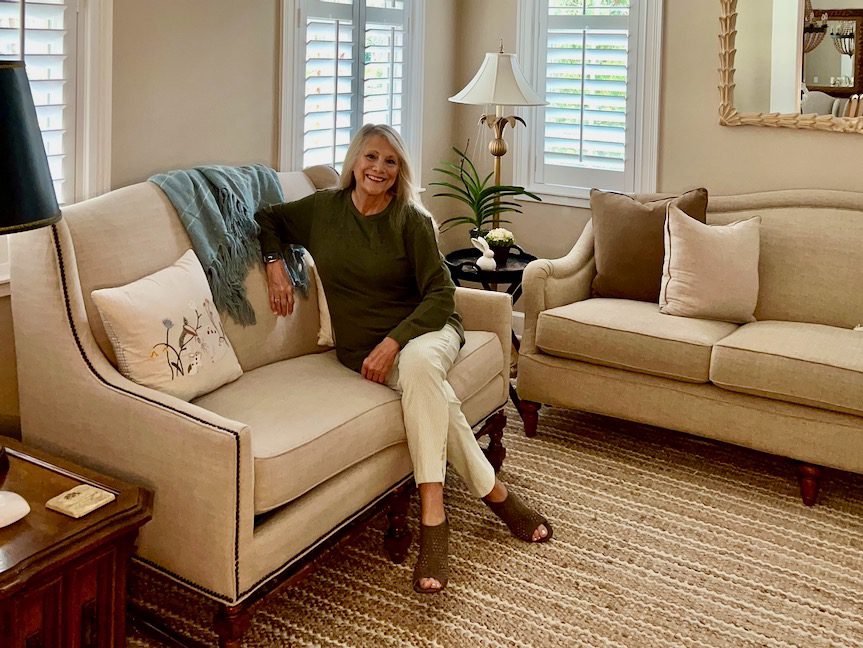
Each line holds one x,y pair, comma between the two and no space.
382,274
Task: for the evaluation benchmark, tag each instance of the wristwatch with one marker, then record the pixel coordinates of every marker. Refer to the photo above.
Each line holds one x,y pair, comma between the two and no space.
270,257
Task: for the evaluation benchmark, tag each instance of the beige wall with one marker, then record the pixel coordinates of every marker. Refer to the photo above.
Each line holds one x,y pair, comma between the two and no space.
191,86
441,42
8,380
201,87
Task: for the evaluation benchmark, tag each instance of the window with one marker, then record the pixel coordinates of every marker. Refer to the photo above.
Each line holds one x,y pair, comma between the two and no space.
50,33
598,63
348,63
72,100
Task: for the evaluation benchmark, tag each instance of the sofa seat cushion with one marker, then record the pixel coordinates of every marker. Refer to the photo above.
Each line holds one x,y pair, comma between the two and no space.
631,335
811,364
311,417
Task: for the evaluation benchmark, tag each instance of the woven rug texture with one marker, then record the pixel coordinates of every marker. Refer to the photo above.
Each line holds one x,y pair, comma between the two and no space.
660,539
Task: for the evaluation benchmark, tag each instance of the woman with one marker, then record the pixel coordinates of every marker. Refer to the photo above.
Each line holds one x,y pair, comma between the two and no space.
392,306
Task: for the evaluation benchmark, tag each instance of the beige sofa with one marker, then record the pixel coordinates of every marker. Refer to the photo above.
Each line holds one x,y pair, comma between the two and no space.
790,383
254,478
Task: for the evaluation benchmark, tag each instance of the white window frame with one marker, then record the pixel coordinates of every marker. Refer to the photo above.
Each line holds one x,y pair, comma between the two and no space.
643,92
93,57
292,74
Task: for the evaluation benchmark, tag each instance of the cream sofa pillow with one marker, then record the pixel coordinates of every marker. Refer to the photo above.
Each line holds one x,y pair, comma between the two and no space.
166,332
710,271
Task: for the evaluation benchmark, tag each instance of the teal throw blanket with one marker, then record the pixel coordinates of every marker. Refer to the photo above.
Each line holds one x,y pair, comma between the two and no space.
217,206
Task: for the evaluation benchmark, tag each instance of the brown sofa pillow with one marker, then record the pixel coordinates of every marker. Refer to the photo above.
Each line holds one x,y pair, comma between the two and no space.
629,241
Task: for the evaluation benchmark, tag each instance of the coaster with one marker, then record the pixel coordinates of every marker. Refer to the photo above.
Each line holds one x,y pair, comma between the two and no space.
80,500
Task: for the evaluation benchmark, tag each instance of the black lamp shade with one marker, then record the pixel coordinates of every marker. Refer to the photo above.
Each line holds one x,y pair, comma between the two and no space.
27,198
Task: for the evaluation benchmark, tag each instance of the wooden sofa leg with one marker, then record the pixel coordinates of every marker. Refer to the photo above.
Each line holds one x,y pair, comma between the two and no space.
529,411
495,452
810,478
397,540
231,624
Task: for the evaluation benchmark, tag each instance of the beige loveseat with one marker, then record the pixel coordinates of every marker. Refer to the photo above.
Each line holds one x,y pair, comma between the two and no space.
252,479
790,383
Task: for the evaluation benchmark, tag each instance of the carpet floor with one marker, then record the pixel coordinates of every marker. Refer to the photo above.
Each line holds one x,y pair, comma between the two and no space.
660,539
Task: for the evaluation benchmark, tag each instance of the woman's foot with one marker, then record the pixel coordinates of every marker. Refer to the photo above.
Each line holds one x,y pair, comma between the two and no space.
432,569
523,522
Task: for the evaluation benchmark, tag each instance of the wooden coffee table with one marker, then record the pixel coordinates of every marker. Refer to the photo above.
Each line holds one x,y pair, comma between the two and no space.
62,580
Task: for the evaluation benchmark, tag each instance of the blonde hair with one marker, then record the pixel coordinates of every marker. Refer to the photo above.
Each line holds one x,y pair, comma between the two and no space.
404,191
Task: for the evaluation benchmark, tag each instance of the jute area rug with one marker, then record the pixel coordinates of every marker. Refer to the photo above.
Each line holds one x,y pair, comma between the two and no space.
661,539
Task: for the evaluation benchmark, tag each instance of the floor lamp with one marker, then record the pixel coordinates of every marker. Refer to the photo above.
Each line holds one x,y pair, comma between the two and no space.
27,199
499,81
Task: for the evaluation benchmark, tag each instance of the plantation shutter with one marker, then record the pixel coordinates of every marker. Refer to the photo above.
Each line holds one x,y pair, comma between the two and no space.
49,51
586,84
354,69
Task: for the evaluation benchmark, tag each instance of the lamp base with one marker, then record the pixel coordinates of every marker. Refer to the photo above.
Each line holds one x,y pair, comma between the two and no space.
13,507
497,147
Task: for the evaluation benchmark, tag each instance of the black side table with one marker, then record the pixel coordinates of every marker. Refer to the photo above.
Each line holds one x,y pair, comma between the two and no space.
462,266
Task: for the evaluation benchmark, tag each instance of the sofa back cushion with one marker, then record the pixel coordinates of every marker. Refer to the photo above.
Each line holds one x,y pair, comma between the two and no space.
629,242
132,232
811,246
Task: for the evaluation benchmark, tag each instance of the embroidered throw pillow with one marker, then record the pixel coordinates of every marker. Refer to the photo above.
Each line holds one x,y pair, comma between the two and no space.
710,271
628,241
166,331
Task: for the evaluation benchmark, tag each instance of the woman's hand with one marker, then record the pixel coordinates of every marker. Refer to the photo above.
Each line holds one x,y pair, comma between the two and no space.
280,289
379,363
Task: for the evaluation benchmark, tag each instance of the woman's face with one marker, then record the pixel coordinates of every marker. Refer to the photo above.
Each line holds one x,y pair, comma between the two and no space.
377,167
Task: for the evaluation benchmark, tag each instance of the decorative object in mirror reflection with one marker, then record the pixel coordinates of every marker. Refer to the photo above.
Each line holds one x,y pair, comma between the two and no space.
814,28
843,38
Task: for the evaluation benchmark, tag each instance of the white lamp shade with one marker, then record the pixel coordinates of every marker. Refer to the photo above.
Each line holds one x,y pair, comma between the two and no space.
499,81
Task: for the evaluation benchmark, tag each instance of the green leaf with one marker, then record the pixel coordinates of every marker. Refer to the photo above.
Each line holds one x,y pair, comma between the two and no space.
449,185
463,183
458,220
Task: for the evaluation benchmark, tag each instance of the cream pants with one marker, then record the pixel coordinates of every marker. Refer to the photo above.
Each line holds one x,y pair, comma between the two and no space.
437,430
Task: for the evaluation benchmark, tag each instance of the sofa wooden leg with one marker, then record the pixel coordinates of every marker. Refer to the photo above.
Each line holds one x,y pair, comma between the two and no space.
495,452
529,411
397,540
810,478
231,623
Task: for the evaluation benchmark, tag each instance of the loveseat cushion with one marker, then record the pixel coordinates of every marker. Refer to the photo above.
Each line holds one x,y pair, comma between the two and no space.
311,417
811,364
631,335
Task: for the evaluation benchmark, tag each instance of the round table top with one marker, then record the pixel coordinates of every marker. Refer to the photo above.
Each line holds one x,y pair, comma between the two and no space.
462,265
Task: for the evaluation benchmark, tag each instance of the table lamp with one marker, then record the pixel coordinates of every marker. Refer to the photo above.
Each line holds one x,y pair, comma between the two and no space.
27,199
499,81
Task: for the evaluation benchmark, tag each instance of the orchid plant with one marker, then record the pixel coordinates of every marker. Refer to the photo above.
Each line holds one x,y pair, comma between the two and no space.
487,201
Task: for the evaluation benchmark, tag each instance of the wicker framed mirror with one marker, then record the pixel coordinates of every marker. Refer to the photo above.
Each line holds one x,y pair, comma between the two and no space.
730,115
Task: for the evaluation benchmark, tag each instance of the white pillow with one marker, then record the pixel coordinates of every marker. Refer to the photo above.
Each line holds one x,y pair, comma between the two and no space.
166,332
710,271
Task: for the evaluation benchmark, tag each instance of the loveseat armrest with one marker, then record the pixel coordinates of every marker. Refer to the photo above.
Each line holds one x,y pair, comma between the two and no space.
74,403
549,283
484,310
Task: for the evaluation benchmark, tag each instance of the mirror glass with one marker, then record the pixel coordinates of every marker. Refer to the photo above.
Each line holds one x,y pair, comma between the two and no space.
829,66
788,50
